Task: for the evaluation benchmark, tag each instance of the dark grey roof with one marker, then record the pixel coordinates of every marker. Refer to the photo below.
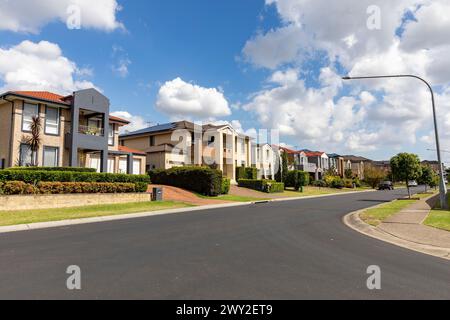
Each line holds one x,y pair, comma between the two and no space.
157,128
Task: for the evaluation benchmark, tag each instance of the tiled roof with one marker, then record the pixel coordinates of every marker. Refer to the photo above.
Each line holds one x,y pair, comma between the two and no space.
43,95
117,119
130,150
314,153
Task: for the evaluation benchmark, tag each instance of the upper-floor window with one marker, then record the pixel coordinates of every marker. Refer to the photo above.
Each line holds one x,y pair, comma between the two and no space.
111,134
152,141
51,120
243,146
29,112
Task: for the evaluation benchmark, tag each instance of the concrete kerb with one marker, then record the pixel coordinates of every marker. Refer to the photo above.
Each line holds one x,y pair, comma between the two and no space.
63,223
353,221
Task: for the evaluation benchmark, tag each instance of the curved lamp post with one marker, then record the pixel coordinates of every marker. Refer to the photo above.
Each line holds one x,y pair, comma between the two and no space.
442,186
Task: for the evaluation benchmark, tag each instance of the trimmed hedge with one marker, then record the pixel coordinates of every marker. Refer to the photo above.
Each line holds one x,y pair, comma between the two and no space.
226,184
22,188
269,186
36,176
203,180
246,173
297,179
68,169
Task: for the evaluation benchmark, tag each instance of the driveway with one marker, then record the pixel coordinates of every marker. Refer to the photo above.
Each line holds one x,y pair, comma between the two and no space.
289,250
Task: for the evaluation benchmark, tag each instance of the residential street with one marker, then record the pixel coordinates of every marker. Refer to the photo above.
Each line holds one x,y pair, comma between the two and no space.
285,250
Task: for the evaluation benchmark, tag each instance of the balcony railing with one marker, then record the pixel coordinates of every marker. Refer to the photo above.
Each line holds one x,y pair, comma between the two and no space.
91,131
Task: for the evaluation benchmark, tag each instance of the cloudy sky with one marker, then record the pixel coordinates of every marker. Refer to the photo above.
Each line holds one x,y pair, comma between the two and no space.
273,64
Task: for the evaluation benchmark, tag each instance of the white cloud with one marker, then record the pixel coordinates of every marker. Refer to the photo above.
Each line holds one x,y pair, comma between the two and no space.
180,99
382,112
39,66
31,16
121,68
136,122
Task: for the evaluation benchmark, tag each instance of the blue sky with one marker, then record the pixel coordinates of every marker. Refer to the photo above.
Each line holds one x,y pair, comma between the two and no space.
270,65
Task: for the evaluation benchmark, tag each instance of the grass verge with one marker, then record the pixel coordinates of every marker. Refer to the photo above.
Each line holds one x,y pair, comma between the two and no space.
377,215
230,197
439,218
9,218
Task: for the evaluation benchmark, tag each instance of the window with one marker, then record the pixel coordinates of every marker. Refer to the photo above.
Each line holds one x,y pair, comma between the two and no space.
111,134
25,156
29,111
51,155
152,141
111,165
211,140
243,146
52,120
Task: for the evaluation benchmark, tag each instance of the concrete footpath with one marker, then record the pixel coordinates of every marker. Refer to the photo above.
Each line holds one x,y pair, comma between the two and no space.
406,229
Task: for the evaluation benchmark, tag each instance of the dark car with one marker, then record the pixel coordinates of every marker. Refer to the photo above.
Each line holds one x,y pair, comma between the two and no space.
386,185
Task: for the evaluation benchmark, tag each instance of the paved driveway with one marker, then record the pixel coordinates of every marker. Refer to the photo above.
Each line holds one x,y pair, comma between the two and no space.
289,250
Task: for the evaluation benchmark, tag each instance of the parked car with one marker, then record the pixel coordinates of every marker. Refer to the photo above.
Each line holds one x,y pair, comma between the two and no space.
412,183
386,185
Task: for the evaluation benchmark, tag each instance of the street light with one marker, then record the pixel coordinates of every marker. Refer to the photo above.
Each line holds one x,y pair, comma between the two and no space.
442,186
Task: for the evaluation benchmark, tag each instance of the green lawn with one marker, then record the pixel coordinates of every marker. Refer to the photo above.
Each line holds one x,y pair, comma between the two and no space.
229,197
377,215
439,218
8,218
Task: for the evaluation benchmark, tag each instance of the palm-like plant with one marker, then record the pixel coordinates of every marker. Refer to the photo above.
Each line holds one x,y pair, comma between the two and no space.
34,140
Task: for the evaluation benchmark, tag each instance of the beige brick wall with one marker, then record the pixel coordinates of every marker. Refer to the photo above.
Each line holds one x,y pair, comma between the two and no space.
47,140
10,203
5,131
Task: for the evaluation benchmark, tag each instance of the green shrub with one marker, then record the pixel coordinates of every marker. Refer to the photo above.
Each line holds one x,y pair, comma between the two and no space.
16,188
35,176
269,186
68,169
357,183
203,180
226,184
337,183
22,188
348,183
246,173
297,179
84,187
319,183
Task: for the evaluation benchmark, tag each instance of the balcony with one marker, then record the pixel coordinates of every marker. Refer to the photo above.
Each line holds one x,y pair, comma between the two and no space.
310,167
91,131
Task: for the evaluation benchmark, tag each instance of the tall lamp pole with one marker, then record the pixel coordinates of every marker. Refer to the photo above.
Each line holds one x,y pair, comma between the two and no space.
442,186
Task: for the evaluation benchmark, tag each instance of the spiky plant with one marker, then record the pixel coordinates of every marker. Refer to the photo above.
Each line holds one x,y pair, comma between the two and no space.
35,139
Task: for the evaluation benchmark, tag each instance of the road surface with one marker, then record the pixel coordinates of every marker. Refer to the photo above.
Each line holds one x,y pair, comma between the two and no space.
285,250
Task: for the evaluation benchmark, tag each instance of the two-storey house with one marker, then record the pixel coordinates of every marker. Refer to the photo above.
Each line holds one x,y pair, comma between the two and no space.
185,143
77,131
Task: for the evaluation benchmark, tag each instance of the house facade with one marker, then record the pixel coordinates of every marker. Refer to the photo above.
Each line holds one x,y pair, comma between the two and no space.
318,164
77,131
357,165
267,160
337,164
185,143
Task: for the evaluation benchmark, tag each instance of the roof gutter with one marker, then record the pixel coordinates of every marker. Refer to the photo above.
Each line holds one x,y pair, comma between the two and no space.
9,94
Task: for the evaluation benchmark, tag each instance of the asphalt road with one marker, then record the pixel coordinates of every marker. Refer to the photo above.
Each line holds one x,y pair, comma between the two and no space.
287,250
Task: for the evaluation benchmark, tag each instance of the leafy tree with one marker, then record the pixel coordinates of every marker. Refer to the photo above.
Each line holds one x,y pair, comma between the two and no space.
406,167
282,173
374,176
348,173
427,177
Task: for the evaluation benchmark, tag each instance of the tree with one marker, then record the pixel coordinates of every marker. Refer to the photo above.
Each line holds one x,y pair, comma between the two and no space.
374,176
348,174
427,177
406,167
283,170
34,140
